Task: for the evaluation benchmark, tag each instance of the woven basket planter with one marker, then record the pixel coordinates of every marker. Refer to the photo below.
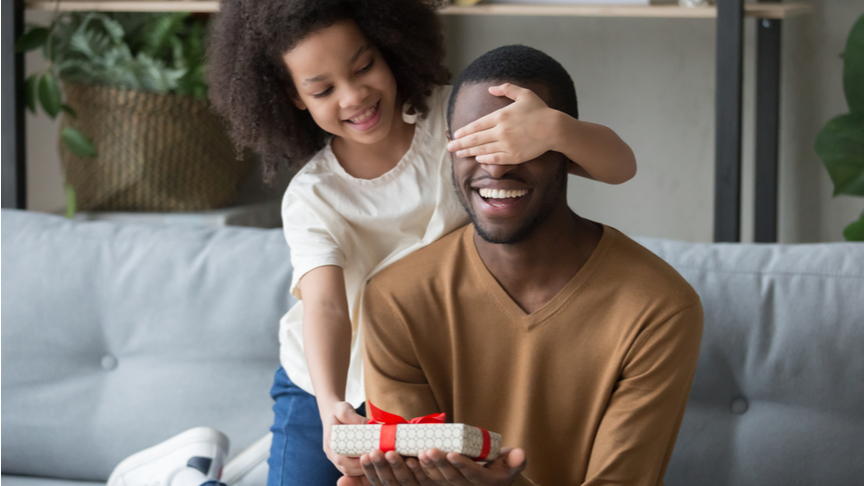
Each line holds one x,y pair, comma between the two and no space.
155,152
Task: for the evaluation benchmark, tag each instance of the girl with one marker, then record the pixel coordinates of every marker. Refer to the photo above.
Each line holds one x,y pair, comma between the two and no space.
359,86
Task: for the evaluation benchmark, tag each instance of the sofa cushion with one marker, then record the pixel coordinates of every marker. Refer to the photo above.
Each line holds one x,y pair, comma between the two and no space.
117,337
778,397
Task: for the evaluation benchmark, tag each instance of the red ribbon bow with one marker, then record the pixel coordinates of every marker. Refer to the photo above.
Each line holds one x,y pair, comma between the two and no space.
389,422
386,418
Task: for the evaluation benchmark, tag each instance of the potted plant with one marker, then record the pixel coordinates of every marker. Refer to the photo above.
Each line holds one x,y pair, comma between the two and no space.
840,144
137,132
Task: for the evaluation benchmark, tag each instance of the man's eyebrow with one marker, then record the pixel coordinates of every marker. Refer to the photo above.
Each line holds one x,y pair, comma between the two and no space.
322,77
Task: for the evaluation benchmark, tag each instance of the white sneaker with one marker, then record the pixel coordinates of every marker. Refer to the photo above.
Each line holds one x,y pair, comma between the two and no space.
187,459
250,466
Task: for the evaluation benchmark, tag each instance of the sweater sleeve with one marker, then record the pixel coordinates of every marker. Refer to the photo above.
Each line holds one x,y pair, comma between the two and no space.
637,433
395,382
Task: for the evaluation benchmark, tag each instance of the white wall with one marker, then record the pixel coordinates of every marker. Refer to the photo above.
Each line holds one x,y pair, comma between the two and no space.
652,80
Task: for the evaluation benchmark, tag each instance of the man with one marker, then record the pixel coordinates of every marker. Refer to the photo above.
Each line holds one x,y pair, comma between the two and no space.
572,341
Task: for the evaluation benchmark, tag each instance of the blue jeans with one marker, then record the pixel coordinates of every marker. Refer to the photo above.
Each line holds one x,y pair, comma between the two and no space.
296,455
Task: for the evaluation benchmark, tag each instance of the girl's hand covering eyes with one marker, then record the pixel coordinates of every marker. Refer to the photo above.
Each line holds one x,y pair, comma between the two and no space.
514,134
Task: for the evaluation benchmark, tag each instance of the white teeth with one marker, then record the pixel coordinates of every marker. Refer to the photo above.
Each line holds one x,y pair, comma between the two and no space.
364,116
500,193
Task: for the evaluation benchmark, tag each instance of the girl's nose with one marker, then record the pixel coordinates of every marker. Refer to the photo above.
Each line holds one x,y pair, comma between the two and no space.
353,96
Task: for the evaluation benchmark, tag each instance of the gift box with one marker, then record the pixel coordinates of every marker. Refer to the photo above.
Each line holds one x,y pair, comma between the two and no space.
388,432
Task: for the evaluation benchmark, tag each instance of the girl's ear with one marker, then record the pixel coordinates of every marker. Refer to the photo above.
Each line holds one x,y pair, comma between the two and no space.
297,102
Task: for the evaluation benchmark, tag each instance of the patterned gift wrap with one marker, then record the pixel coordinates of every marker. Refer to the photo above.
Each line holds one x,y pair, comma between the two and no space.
410,439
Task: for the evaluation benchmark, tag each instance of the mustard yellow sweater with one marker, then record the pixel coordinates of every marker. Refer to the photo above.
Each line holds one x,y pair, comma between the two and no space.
593,385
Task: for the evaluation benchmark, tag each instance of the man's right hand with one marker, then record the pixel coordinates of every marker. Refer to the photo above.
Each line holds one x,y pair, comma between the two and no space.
434,468
341,413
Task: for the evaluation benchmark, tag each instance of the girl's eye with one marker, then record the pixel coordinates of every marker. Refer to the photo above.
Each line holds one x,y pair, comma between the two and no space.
366,68
323,93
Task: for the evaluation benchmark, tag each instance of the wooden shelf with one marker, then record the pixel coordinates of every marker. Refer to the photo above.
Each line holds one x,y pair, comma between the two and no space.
758,10
766,11
126,5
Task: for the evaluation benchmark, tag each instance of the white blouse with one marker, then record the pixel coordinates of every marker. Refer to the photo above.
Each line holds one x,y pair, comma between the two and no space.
363,225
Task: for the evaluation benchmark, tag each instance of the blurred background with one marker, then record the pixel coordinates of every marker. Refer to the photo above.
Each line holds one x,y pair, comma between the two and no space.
653,82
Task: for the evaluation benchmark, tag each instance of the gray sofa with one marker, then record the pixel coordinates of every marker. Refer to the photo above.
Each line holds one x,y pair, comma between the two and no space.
116,337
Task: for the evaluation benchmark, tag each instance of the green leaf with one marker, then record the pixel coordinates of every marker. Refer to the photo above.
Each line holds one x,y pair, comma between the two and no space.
840,145
855,231
71,201
50,48
69,110
32,39
78,143
133,23
92,44
178,60
159,32
853,68
111,49
30,91
49,95
108,24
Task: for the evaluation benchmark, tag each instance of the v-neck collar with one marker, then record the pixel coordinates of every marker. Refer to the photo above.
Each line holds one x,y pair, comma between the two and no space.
558,302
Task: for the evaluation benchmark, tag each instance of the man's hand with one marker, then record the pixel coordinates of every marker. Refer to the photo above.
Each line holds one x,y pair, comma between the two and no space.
341,413
512,135
435,467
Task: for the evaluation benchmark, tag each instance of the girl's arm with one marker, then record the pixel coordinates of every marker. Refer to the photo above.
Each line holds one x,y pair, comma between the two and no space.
528,128
327,344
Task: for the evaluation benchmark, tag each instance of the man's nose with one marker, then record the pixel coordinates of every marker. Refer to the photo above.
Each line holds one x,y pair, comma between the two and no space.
497,171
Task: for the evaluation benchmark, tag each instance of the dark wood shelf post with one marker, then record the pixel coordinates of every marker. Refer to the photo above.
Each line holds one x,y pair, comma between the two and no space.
767,129
727,184
14,163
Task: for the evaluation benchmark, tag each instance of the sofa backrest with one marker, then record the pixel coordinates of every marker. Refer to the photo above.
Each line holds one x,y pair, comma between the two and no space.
117,337
778,397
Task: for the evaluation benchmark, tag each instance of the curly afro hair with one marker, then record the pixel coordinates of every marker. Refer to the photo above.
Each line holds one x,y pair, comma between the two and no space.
250,85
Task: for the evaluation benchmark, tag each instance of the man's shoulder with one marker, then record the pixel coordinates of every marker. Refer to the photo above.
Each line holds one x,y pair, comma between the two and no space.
437,262
645,275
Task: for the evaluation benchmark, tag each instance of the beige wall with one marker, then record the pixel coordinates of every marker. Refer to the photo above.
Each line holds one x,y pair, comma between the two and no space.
44,175
652,80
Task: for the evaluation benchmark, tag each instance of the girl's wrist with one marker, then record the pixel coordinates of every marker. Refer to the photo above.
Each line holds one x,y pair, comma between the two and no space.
563,128
327,404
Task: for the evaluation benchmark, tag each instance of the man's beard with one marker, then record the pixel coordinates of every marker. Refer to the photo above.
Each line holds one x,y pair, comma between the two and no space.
515,236
528,227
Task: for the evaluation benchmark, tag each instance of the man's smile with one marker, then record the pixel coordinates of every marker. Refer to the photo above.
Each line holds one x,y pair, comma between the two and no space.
500,202
487,193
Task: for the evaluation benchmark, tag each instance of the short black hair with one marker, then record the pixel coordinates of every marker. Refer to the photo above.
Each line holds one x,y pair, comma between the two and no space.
520,64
